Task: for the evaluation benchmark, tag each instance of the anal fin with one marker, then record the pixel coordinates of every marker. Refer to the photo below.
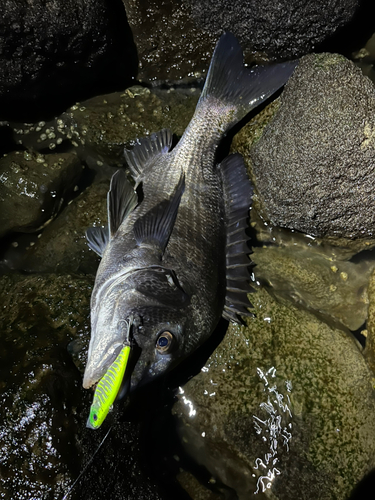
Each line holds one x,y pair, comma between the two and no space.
237,198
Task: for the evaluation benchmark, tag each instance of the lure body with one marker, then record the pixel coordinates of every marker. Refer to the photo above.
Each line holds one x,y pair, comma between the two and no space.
107,389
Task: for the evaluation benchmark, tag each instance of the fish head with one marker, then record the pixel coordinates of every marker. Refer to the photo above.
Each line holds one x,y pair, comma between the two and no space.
159,342
150,310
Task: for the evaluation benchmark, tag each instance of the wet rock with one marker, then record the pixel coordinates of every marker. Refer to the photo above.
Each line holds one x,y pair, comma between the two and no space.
54,54
40,389
102,126
313,164
369,351
34,187
364,58
316,277
284,29
283,407
44,442
62,246
175,40
170,45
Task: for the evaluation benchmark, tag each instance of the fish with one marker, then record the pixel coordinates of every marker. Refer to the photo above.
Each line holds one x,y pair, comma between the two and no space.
175,253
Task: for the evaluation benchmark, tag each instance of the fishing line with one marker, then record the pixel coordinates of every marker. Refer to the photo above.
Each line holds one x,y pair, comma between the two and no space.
88,463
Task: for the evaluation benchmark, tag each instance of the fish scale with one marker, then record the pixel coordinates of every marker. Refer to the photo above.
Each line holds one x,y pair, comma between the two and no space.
175,259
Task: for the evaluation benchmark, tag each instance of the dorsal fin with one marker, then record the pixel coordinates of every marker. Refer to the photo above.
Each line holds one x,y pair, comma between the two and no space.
237,200
121,200
97,238
157,224
146,149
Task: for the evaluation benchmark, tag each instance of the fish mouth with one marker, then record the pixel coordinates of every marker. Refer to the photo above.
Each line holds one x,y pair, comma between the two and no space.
95,370
93,375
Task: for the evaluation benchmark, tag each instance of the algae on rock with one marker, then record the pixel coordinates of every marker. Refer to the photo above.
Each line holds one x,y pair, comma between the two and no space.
285,392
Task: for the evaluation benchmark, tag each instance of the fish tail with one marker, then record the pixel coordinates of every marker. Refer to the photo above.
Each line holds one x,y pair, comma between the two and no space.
240,87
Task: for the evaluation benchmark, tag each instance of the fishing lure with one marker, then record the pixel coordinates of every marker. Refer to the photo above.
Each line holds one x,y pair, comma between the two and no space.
107,389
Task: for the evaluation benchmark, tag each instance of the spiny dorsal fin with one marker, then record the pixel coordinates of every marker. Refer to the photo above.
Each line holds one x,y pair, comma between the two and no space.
121,200
237,200
157,224
146,149
97,238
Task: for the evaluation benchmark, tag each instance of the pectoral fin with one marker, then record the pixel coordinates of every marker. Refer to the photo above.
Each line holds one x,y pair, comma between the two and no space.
121,201
156,225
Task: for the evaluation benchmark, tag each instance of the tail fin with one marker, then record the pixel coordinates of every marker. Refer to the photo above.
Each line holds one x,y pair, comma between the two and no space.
231,82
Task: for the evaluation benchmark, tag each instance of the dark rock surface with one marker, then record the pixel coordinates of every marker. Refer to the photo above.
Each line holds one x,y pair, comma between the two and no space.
284,29
316,278
175,39
62,247
41,395
44,442
170,45
100,127
314,163
34,187
284,406
54,52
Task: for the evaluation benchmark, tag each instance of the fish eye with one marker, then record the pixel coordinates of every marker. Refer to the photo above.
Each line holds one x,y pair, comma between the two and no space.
164,342
95,416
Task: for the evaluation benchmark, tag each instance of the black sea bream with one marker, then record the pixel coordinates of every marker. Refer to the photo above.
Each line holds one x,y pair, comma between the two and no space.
174,254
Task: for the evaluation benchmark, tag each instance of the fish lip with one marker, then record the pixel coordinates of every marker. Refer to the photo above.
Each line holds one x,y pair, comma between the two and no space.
91,376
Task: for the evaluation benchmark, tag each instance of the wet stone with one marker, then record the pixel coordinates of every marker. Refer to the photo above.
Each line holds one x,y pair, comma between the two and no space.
33,188
369,351
62,246
283,408
317,277
313,165
101,127
44,442
41,395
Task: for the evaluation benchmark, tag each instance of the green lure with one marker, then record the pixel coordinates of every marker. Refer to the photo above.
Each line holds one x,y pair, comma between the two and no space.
107,389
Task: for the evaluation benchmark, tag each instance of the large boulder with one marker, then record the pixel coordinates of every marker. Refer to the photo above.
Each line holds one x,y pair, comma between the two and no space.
313,166
282,409
53,53
175,39
34,188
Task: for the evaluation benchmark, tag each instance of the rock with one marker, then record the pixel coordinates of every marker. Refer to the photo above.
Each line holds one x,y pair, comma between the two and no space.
40,389
315,277
175,39
102,126
286,29
369,351
34,187
313,165
284,406
62,246
170,45
44,442
54,54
